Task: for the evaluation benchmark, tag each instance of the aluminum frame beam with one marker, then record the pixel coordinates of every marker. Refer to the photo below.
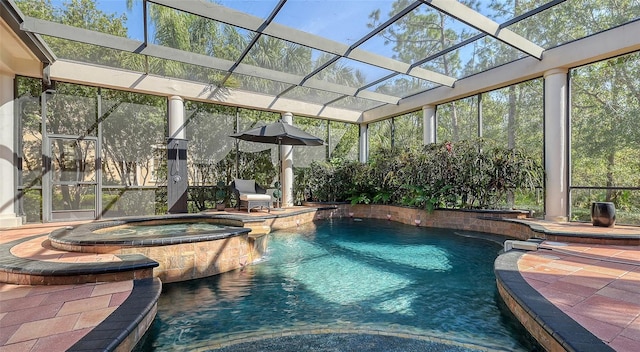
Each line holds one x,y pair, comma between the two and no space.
614,42
35,25
115,78
252,23
14,18
486,25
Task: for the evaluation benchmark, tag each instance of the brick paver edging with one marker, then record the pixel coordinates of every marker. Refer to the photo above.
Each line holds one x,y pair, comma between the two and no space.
128,322
540,316
17,265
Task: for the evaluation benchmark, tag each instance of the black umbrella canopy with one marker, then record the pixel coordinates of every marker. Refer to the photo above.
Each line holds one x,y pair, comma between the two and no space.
279,132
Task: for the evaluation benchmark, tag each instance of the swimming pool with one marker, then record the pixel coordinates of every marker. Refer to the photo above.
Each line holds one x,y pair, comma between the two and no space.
369,280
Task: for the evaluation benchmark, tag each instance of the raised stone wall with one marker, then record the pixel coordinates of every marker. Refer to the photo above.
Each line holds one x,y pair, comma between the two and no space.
186,261
478,220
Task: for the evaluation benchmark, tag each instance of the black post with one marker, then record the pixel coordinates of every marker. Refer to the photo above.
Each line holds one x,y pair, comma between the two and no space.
177,175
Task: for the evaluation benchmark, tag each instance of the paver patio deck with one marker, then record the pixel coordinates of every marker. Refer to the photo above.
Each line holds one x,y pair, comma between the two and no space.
596,285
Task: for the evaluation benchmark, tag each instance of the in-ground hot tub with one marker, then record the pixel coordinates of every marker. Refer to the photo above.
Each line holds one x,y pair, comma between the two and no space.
186,247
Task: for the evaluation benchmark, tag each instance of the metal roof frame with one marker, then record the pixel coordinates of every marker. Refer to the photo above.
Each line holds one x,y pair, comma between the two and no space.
30,29
255,24
486,25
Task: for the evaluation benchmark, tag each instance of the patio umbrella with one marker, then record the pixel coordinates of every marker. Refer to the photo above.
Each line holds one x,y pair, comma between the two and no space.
280,133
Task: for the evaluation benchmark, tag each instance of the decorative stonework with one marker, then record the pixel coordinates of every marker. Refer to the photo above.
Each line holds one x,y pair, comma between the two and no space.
533,327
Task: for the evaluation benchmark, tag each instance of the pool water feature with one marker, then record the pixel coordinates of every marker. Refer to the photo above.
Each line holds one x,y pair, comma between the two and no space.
369,277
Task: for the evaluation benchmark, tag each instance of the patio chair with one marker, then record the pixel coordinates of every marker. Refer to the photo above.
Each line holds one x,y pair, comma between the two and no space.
250,194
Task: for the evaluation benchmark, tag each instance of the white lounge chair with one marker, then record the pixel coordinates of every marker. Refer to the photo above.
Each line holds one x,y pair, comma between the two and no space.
249,194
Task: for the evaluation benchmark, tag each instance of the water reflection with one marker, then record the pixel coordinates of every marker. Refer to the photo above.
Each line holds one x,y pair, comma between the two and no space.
208,292
367,275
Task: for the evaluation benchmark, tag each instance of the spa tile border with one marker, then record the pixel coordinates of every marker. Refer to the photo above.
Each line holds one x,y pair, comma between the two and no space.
17,265
566,331
126,325
78,235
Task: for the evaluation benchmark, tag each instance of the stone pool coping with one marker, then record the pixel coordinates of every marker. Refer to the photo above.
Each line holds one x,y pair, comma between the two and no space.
26,271
553,329
569,233
123,328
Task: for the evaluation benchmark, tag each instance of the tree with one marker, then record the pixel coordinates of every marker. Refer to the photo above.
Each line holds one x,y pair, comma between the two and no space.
605,125
208,129
128,156
344,140
420,34
379,134
73,110
408,130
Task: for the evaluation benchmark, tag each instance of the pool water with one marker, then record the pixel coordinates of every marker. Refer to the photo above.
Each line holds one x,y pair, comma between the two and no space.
370,276
156,231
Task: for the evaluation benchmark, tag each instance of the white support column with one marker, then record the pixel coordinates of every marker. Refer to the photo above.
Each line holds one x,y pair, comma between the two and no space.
429,124
556,145
176,117
286,156
177,181
364,143
8,217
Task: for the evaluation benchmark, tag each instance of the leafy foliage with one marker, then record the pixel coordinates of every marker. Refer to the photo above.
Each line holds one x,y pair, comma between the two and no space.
467,174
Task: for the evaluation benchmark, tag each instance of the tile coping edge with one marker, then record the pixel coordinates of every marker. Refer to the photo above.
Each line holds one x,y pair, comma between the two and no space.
111,332
553,320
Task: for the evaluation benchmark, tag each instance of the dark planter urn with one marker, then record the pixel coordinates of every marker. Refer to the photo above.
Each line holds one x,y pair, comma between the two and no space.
603,214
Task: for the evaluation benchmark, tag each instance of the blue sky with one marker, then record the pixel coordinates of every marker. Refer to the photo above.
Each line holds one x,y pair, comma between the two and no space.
339,20
343,21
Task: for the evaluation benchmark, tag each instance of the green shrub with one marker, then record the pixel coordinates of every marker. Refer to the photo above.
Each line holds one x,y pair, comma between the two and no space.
32,205
467,174
118,202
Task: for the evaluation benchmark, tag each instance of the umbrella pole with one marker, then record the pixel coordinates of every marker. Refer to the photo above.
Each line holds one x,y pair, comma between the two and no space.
279,173
237,157
236,130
